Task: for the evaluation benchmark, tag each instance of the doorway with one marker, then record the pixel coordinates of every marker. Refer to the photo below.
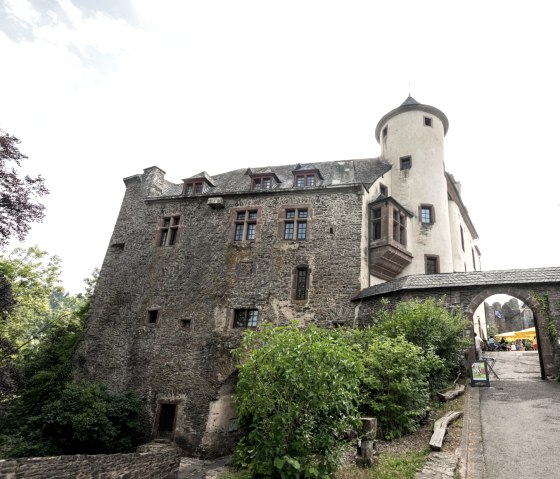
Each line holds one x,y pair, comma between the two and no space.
166,421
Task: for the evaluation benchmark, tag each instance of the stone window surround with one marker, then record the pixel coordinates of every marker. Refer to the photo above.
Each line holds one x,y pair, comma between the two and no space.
282,220
431,257
294,284
174,225
432,214
234,222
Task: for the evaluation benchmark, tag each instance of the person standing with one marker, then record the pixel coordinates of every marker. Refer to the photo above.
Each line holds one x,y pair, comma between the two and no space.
477,347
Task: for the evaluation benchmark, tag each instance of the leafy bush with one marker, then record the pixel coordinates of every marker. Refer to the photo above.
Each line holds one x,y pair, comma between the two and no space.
429,325
296,394
394,387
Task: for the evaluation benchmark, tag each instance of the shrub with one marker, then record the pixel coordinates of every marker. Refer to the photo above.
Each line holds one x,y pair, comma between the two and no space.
395,386
296,395
429,325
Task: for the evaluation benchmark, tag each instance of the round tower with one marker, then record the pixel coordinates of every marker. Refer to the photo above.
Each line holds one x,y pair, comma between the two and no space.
411,139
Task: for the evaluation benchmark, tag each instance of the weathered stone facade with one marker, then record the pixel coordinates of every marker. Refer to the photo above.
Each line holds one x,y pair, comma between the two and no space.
188,263
160,465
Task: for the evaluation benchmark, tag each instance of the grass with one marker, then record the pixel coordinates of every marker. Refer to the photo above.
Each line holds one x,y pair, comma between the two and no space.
391,466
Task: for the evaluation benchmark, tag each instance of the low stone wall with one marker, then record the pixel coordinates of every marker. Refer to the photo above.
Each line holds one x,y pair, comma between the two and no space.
155,465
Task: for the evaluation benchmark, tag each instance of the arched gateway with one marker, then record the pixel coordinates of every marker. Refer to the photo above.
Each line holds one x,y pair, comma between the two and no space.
538,288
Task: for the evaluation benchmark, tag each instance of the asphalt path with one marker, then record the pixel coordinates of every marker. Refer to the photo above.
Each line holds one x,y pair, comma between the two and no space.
520,419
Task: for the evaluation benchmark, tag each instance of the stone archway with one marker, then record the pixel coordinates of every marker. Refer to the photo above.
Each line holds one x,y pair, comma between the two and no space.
538,288
545,347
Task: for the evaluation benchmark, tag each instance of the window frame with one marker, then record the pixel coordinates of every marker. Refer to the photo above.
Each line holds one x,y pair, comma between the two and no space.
251,222
428,121
261,180
168,233
305,176
297,221
246,312
190,187
297,298
383,189
432,216
406,162
431,259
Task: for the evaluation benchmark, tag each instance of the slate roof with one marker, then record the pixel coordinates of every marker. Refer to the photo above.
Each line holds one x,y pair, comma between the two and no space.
333,173
473,278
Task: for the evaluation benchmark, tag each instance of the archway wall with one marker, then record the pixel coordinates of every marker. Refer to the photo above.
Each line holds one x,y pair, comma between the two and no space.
543,299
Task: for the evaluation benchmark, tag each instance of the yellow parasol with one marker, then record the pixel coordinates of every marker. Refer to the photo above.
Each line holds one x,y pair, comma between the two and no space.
509,336
528,333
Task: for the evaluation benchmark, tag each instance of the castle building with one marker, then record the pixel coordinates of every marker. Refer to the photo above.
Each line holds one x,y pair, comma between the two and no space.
190,266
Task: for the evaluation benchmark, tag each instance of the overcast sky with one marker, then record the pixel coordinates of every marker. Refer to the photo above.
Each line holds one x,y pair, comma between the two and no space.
98,90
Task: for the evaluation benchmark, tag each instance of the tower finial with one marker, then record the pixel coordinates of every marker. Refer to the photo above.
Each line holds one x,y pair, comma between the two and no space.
409,90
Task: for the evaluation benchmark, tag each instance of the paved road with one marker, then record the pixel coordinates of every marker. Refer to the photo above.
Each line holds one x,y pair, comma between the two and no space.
520,421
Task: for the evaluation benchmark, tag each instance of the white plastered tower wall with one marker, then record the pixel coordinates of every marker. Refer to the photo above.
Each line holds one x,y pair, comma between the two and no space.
405,132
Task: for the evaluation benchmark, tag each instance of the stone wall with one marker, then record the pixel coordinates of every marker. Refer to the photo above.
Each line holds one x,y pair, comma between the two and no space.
184,359
161,465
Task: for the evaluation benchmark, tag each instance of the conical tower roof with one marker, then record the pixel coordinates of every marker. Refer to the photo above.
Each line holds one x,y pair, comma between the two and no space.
410,104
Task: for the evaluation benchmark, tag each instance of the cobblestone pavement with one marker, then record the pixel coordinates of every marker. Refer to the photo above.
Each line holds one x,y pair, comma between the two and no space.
192,468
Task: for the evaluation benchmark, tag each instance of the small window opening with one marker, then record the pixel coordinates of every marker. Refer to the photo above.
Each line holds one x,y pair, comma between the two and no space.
153,315
384,132
406,163
383,190
427,121
186,323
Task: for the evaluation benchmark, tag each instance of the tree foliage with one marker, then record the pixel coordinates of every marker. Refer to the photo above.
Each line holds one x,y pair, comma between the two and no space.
296,394
19,205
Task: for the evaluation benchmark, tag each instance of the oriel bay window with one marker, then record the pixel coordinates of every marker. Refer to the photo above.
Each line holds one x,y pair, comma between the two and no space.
388,222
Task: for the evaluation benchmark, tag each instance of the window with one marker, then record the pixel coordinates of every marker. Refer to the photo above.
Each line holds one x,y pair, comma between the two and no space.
245,318
246,225
462,238
427,121
383,190
473,260
399,227
153,315
376,224
432,264
384,132
305,179
406,163
169,230
301,283
427,214
195,187
264,183
186,324
295,225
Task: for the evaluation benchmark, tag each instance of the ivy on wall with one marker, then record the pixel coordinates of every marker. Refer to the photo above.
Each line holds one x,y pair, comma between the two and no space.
545,310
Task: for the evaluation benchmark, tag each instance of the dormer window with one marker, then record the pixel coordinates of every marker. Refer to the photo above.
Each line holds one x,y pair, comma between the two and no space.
262,183
194,188
306,179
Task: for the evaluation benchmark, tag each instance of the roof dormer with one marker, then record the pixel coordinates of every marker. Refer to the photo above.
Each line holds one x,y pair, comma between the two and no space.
306,176
263,179
198,184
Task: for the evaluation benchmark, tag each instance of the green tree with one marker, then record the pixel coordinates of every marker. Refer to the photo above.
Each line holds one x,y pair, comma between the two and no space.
19,205
296,394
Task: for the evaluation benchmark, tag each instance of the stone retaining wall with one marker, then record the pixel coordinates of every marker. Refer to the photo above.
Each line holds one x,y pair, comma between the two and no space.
161,465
